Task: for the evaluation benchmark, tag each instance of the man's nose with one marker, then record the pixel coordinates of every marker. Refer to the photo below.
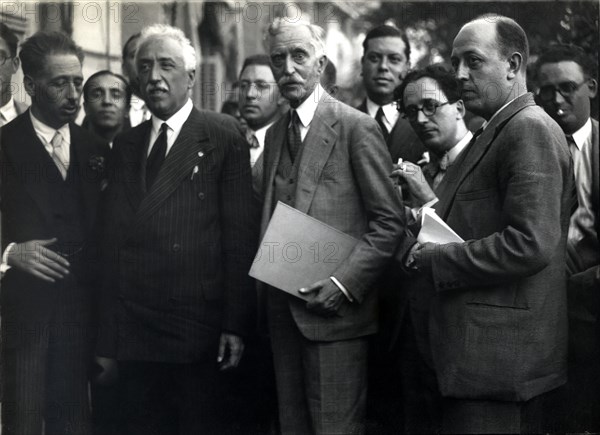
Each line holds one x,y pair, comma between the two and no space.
252,93
72,92
462,72
558,98
421,117
384,63
154,75
289,67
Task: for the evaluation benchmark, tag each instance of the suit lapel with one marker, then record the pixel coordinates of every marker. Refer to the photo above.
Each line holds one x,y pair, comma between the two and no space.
191,145
272,156
134,167
30,153
474,152
317,146
90,185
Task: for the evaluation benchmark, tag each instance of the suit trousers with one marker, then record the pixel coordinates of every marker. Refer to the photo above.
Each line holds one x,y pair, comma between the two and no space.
321,386
45,367
168,398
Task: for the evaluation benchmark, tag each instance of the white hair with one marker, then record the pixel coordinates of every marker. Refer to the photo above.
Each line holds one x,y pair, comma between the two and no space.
161,31
317,33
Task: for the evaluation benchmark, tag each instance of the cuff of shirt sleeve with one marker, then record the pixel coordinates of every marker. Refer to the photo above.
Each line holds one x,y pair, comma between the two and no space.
4,265
342,288
416,211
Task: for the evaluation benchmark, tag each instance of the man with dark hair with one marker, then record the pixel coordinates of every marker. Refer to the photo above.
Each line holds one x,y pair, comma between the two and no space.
329,161
497,313
567,82
385,61
259,101
9,64
430,99
52,175
106,101
138,111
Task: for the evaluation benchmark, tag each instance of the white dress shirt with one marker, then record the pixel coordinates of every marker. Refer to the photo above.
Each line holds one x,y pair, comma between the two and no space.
138,111
174,124
390,113
583,247
8,112
260,137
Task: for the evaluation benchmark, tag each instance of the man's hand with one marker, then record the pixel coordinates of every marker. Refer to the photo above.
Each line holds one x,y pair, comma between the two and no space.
415,181
34,258
421,250
326,299
231,348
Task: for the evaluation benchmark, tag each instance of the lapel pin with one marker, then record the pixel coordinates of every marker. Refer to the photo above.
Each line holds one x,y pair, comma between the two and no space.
195,171
200,154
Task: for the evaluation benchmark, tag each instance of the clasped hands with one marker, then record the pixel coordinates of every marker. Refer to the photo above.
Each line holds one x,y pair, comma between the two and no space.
325,298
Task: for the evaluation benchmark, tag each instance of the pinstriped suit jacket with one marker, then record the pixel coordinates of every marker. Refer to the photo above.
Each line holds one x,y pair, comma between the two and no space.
178,254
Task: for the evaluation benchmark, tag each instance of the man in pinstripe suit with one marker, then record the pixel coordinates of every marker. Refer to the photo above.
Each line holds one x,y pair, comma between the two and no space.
180,239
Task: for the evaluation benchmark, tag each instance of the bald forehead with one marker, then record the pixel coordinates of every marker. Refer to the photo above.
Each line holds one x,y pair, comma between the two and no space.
479,35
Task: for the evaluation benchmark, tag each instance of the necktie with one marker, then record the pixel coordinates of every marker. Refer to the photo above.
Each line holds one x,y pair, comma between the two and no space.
251,138
379,118
157,156
294,137
58,155
443,164
573,150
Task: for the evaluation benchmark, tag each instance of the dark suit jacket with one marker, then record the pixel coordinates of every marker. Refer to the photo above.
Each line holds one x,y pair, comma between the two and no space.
343,181
403,141
179,254
28,175
498,321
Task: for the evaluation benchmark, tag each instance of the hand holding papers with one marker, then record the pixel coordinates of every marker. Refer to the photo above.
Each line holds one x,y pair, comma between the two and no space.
298,250
435,230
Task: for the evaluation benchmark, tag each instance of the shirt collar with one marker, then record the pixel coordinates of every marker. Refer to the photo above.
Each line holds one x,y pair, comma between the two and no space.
8,110
456,149
389,110
582,135
176,121
261,133
486,123
47,132
306,110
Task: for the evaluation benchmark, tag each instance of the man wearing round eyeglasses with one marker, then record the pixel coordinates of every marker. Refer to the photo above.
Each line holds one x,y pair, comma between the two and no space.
430,100
9,64
567,86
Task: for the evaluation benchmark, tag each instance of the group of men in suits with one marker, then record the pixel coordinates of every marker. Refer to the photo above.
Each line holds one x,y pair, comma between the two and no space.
171,222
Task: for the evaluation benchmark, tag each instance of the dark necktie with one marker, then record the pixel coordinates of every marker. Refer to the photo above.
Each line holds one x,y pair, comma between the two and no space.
294,137
157,156
379,118
573,149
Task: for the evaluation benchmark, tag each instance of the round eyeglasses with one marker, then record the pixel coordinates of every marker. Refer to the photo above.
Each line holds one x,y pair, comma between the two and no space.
566,89
429,108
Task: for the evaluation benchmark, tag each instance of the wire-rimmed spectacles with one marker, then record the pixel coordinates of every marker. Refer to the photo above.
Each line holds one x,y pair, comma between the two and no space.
566,89
4,58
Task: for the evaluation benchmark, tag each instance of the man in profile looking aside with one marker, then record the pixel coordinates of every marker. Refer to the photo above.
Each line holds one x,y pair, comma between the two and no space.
508,195
52,176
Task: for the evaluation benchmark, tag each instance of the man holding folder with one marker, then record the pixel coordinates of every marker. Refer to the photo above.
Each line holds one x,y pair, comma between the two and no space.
329,161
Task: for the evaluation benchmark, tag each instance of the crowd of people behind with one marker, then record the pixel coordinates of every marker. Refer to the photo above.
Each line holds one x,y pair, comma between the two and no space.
126,304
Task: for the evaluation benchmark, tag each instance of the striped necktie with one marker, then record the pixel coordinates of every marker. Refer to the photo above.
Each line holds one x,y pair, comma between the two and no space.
58,155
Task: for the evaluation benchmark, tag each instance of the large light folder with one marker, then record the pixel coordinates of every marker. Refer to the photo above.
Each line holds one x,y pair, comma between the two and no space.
297,250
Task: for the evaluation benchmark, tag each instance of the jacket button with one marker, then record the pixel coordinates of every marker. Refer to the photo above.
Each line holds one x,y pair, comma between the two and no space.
200,195
176,247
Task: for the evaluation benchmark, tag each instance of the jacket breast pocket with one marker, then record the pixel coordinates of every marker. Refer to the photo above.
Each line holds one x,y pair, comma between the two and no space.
476,214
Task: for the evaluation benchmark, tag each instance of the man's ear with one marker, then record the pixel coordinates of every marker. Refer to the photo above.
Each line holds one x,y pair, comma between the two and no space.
460,109
192,78
593,87
515,64
29,83
15,62
322,63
